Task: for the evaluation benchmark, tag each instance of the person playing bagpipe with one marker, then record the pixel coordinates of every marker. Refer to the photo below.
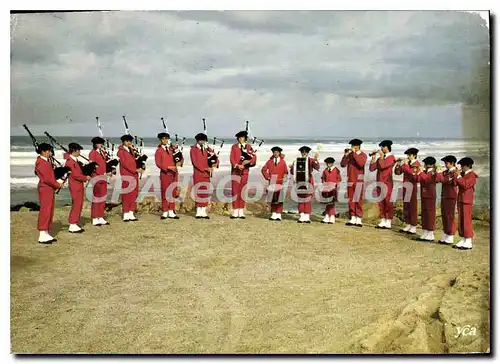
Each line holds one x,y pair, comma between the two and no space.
410,209
202,172
305,183
466,182
242,158
330,179
165,161
47,185
275,170
129,168
99,156
76,183
427,179
449,195
382,161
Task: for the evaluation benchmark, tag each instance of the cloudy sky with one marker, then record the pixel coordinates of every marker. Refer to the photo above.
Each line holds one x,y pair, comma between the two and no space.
314,73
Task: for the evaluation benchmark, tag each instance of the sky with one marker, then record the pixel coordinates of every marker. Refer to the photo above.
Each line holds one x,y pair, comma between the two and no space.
291,73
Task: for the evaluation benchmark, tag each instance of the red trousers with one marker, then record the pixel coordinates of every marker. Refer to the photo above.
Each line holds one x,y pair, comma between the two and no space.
201,191
448,206
77,195
465,220
355,207
305,207
277,202
410,208
129,199
330,209
97,208
47,203
237,186
168,195
428,214
386,207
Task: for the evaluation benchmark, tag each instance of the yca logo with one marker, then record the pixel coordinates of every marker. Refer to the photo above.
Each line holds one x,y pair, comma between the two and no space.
466,330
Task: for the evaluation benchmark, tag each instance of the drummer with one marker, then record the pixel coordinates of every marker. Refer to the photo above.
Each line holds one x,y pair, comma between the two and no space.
275,170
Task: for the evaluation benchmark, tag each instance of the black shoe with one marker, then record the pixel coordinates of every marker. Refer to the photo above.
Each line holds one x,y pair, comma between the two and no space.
77,232
198,217
133,220
163,218
410,233
278,219
107,223
233,217
307,222
380,227
175,217
46,242
242,217
349,223
299,222
403,231
358,225
205,217
324,222
442,242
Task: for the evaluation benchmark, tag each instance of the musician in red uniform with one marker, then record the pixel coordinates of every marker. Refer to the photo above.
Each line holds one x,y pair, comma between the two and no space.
201,174
330,179
47,185
305,190
76,187
98,155
427,179
164,159
355,160
410,203
466,181
382,161
242,158
449,195
128,167
275,170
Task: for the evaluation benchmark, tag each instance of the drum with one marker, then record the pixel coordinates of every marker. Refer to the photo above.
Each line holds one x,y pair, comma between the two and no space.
301,170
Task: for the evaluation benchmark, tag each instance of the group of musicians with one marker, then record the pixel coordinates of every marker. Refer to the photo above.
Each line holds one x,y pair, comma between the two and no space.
458,181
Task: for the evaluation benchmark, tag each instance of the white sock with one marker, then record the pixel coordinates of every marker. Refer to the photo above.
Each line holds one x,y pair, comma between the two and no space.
44,236
424,234
102,221
306,217
449,238
301,218
198,212
126,216
96,221
241,212
413,229
74,227
467,243
381,223
235,212
204,211
165,214
358,221
278,215
430,235
388,223
171,213
353,220
332,219
273,216
461,242
407,227
327,218
131,214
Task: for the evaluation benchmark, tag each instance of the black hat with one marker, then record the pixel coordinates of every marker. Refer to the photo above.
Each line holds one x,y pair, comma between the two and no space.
276,149
304,149
449,158
413,151
97,140
466,161
127,137
43,147
242,133
429,160
330,160
74,147
201,136
163,135
385,143
355,142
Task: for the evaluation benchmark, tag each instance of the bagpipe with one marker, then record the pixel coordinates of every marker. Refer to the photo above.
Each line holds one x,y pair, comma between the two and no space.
88,169
60,172
213,156
140,158
245,155
177,148
111,161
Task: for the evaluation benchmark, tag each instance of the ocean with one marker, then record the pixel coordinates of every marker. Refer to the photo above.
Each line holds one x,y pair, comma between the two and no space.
23,181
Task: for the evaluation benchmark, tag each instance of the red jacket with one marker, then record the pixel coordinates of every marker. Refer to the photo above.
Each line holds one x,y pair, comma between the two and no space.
466,187
427,185
355,166
45,172
100,158
235,158
405,170
313,165
448,181
280,170
383,166
128,166
329,177
76,178
164,158
199,160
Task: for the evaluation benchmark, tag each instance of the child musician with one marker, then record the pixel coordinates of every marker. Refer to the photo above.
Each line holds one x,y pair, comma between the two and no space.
427,180
76,187
449,195
466,181
330,179
410,207
275,170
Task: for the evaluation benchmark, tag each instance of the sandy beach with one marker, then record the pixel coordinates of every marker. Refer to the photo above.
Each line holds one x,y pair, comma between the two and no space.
188,286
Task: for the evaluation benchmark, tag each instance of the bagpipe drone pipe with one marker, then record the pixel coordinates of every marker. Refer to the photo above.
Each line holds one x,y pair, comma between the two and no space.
140,158
213,157
88,169
111,161
177,148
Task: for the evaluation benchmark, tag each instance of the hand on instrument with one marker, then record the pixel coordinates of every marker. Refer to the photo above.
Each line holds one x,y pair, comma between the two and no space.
172,168
380,153
140,170
209,170
316,155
